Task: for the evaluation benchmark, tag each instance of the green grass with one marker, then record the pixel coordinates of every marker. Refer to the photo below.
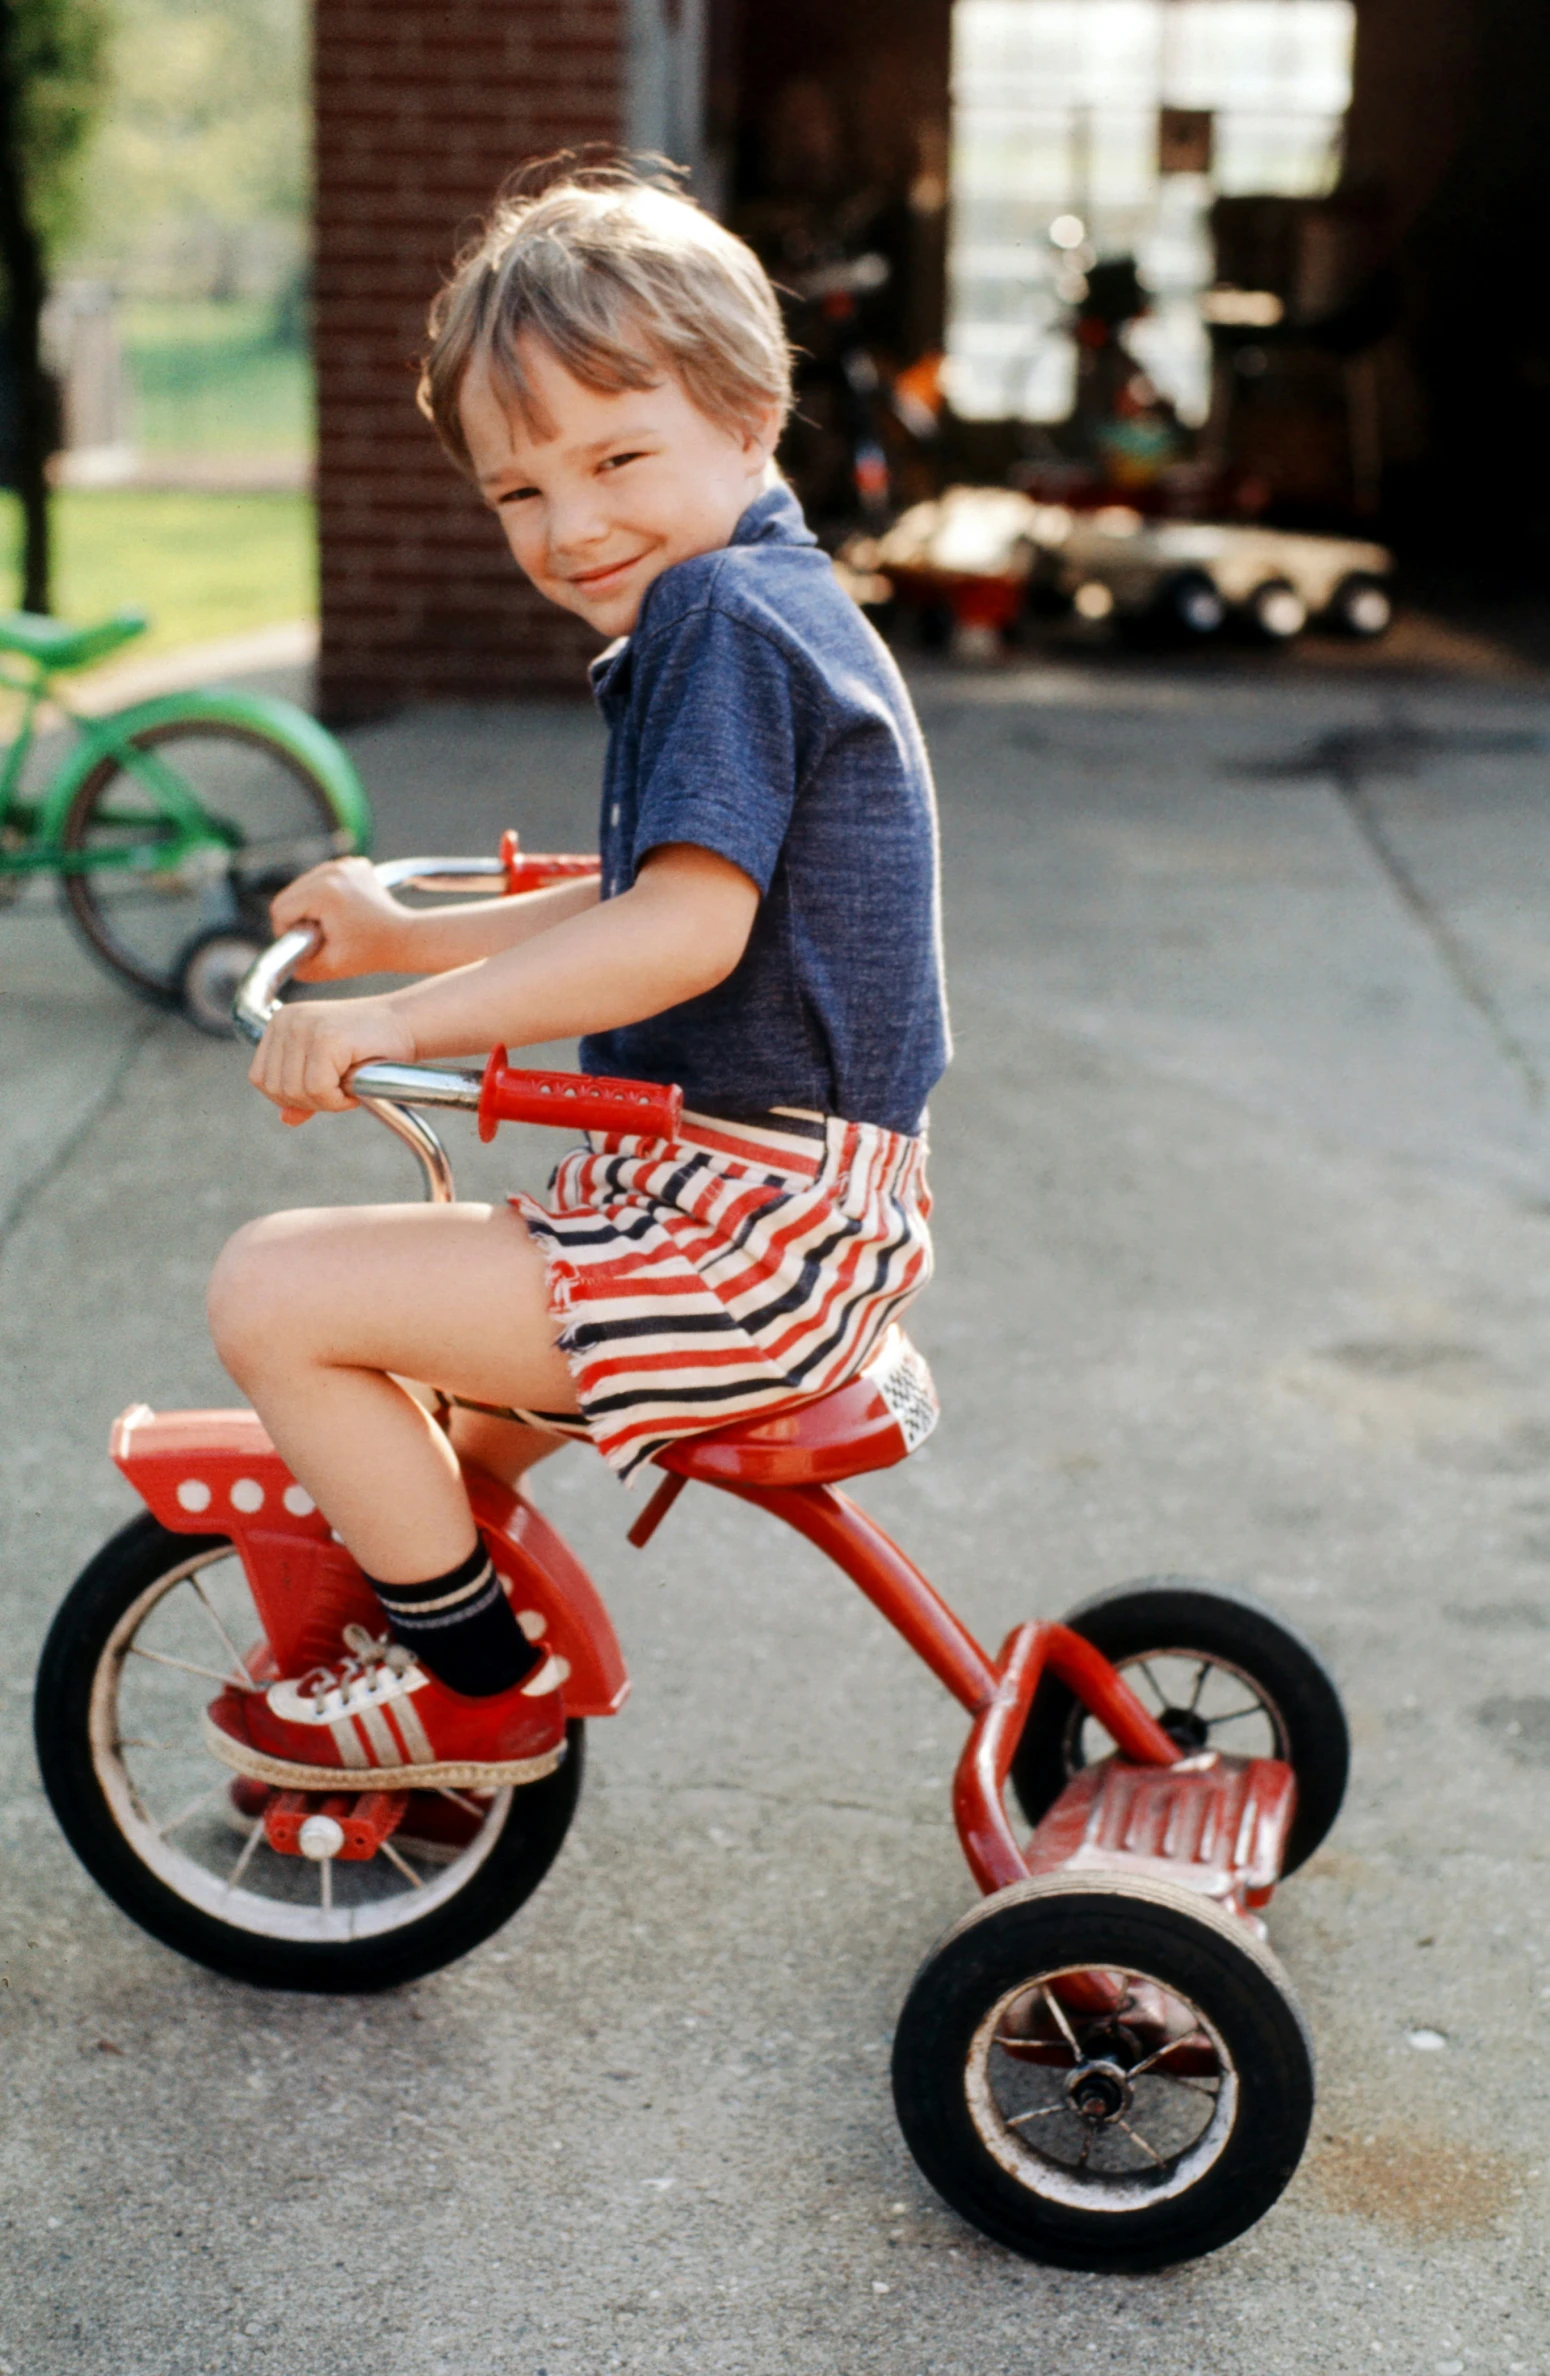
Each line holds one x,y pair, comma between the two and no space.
203,565
216,379
211,381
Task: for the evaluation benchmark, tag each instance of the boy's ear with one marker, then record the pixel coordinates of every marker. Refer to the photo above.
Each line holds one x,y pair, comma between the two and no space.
762,435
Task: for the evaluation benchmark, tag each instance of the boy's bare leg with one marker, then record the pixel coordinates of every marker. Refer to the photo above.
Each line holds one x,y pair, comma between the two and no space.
503,1447
313,1312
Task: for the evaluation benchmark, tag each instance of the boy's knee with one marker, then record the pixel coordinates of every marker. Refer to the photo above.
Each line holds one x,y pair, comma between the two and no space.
246,1302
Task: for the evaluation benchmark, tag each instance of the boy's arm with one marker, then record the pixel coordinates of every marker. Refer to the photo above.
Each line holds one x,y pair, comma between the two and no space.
366,931
679,930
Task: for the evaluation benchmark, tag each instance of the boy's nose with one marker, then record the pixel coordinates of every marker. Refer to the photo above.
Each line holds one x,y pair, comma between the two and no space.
575,529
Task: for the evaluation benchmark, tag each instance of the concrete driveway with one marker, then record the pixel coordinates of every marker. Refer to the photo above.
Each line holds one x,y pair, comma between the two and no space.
1243,1180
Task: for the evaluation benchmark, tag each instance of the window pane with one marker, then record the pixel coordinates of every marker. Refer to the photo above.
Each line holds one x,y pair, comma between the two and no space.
1055,112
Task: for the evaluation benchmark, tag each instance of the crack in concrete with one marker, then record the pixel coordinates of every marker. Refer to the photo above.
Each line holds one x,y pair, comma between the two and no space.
804,1804
1456,960
1346,757
55,1165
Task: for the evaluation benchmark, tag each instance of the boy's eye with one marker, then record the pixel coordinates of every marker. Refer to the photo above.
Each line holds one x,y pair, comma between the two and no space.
617,461
516,495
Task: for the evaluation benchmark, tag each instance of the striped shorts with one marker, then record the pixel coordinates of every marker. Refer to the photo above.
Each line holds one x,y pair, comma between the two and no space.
704,1278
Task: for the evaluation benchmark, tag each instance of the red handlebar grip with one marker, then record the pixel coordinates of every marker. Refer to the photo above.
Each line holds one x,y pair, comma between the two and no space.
532,873
649,1109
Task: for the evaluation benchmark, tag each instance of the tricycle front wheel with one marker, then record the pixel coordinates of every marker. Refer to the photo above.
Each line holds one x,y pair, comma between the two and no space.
152,1629
1104,2073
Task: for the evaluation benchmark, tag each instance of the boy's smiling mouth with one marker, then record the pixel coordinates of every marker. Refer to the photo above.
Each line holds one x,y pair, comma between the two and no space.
592,579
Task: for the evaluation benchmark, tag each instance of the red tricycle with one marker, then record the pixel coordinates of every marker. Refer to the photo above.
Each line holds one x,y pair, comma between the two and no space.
1100,2065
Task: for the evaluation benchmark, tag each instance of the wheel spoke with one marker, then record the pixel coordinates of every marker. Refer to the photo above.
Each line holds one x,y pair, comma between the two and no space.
165,1831
1136,2138
1158,1692
1194,2037
1044,2112
1064,2026
249,1845
187,1667
468,1805
393,1857
177,1748
428,1851
237,1659
293,848
326,1882
1200,1684
1254,1708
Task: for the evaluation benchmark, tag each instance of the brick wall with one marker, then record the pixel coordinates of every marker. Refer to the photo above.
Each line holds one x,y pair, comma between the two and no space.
422,107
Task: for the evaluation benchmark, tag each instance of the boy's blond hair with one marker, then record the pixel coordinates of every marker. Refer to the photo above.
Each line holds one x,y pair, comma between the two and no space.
622,280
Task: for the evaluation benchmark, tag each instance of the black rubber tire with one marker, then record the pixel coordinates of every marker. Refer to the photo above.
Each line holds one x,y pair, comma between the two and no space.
1186,609
1362,607
136,1558
1158,1614
158,979
1275,612
934,626
212,969
1167,1934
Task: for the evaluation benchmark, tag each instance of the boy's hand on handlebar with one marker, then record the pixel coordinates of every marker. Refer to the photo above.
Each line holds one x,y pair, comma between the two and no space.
362,925
301,1062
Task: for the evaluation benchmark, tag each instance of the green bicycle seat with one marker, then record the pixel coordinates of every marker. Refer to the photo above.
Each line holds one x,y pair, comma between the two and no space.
56,647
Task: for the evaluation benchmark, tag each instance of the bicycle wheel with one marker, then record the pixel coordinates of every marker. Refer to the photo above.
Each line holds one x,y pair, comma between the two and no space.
146,1635
270,819
1219,1671
1104,2073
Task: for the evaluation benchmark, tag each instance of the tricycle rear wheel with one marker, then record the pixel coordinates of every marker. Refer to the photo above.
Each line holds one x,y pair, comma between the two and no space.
1219,1671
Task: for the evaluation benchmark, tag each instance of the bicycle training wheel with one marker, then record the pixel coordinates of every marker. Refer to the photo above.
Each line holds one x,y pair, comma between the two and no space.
1219,1671
1104,2073
152,1628
146,894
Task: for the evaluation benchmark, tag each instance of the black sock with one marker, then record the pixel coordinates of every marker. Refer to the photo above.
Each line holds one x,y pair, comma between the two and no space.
461,1627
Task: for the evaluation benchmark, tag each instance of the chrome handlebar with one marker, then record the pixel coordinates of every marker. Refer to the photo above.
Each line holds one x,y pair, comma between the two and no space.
390,1091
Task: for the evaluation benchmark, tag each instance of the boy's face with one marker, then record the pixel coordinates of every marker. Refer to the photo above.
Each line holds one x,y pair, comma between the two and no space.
623,486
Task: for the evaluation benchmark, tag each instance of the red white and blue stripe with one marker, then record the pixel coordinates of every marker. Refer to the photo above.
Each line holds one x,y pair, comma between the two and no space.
707,1277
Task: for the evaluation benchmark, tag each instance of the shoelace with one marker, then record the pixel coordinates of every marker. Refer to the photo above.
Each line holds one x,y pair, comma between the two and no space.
368,1656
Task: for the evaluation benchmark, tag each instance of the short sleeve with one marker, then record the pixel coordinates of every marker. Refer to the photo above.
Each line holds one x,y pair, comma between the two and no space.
717,760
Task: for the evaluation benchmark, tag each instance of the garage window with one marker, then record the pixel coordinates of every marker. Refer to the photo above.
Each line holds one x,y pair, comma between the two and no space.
1093,128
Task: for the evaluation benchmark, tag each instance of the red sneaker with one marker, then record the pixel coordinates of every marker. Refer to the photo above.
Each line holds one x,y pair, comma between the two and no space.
382,1721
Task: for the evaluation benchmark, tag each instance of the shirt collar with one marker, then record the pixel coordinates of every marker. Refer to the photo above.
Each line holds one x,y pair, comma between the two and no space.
775,517
607,666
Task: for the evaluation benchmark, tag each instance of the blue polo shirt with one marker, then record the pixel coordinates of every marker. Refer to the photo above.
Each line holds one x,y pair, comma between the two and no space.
755,713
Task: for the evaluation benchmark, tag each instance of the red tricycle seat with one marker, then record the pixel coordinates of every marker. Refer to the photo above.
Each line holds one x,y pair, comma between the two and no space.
871,1422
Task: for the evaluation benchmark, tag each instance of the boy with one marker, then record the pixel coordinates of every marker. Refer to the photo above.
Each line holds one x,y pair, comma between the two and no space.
610,368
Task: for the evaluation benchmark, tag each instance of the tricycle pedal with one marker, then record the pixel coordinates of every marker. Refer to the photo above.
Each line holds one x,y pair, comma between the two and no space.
349,1826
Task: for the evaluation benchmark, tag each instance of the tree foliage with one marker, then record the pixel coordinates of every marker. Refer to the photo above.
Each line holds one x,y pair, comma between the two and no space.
51,75
58,61
205,135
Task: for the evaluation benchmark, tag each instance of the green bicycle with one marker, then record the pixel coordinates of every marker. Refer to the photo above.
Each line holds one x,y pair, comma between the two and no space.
171,824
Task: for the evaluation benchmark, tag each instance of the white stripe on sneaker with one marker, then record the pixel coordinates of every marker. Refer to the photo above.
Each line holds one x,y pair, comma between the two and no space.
380,1734
416,1739
347,1742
